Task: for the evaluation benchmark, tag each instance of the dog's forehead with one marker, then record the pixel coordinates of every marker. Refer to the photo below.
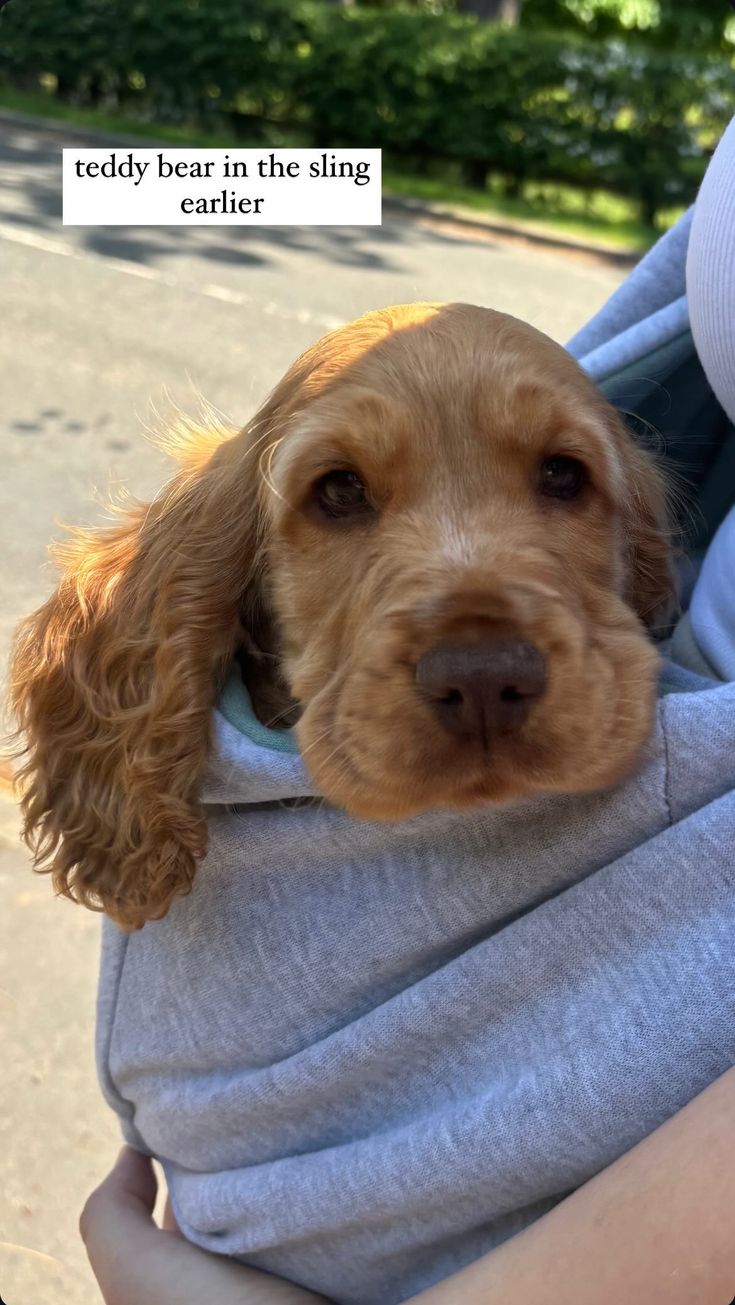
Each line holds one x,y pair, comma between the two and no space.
476,372
475,407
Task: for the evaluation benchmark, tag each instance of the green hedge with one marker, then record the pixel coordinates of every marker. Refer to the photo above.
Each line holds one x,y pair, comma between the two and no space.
526,105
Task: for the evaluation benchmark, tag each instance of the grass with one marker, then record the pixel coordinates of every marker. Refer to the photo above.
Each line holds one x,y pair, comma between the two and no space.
44,105
596,216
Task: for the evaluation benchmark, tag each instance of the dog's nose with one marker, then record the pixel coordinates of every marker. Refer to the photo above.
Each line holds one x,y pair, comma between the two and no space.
482,690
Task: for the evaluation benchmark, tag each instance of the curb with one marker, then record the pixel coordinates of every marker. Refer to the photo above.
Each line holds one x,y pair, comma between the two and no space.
516,232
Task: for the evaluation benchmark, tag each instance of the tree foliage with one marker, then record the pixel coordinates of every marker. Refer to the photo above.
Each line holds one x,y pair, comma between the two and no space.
677,25
519,103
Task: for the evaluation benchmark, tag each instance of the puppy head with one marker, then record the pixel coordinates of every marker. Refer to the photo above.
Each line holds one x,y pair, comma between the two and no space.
435,547
464,549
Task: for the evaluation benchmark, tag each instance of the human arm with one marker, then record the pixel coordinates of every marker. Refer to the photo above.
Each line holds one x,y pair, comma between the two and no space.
657,1227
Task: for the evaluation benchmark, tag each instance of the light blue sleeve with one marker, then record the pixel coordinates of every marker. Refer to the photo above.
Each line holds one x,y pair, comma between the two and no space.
712,609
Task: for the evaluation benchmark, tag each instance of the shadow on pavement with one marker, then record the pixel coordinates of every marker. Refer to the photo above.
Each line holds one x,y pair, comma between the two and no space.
37,204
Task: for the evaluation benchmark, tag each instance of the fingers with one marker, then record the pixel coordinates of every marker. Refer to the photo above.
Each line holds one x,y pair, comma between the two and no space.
135,1263
129,1190
134,1179
118,1230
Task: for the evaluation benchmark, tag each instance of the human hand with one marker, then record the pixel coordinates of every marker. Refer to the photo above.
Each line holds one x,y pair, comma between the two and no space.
137,1263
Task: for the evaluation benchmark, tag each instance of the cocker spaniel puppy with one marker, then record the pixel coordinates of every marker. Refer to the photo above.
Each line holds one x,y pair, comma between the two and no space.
435,550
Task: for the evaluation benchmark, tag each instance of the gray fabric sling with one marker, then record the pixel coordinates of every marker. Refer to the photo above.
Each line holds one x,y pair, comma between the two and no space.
366,1054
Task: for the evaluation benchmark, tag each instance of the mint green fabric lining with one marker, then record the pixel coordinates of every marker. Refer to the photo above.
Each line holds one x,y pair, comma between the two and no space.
237,709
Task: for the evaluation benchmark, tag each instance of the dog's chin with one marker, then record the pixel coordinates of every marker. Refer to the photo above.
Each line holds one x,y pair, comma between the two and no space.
405,801
384,794
392,809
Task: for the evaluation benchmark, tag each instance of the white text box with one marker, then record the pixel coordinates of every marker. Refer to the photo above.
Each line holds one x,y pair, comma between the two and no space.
148,186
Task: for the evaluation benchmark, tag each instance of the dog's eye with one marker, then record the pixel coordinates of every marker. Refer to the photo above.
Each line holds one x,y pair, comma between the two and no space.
341,494
562,477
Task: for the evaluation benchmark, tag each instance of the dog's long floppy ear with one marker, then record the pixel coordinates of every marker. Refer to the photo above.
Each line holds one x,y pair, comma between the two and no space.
114,678
648,533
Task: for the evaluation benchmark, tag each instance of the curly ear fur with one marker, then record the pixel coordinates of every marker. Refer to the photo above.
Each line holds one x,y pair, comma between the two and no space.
647,524
114,677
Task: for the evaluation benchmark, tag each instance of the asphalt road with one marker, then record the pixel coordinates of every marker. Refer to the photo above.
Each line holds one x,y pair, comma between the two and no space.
102,332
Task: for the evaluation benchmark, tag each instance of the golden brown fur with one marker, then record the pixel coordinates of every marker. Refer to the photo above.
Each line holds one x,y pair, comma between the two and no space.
445,412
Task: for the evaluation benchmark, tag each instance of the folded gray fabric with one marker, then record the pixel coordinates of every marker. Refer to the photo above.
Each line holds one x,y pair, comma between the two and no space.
366,1053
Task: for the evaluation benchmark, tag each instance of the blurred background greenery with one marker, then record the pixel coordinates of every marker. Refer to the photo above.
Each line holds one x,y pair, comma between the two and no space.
594,115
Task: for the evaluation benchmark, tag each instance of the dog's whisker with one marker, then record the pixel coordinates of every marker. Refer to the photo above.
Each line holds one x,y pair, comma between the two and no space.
279,716
315,742
266,475
339,747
